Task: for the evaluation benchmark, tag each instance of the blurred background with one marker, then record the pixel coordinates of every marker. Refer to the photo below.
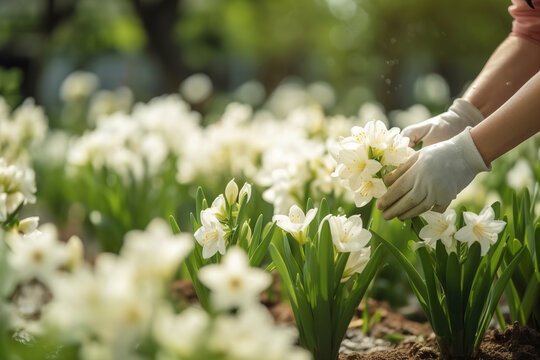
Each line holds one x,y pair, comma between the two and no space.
348,51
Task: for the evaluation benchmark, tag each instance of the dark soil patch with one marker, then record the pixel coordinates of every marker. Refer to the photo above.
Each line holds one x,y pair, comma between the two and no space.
515,343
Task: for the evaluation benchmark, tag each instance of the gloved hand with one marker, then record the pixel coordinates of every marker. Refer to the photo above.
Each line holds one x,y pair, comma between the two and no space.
444,126
431,178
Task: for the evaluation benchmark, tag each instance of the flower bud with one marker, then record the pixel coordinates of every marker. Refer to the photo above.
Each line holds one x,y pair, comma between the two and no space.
29,224
75,252
231,192
246,190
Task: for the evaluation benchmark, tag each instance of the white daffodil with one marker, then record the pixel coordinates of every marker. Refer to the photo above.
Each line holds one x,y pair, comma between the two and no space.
180,334
219,208
156,252
233,282
296,222
348,235
378,137
439,227
482,228
231,192
397,152
356,263
211,235
369,189
28,225
354,166
37,255
245,191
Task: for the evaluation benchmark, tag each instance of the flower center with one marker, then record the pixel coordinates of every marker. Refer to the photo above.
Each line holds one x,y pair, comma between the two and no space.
480,231
365,189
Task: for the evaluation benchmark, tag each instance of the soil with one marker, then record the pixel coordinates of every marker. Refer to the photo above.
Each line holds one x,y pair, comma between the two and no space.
412,340
517,342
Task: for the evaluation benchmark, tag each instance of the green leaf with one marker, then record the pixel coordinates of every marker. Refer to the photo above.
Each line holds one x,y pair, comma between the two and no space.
469,270
453,293
439,320
326,262
494,296
174,225
199,203
417,283
258,255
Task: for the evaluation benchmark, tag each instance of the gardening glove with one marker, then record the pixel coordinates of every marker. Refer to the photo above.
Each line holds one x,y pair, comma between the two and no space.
432,177
444,126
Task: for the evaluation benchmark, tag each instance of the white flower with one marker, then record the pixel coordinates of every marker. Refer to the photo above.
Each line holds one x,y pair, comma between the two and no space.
79,84
369,189
28,225
156,252
233,282
354,165
211,234
356,263
180,334
378,137
231,192
348,234
439,227
245,191
196,88
520,176
37,255
17,186
482,228
219,208
296,223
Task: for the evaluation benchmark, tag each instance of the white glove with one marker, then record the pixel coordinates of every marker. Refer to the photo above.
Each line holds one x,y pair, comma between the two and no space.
431,178
444,126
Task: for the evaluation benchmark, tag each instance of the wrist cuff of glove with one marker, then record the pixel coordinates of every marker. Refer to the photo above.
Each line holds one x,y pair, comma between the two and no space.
470,152
467,111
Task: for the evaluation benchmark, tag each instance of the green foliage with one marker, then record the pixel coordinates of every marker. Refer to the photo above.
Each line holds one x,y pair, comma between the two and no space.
255,242
312,273
523,290
459,292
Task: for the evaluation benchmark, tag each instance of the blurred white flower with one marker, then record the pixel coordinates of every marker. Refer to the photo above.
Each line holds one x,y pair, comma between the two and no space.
480,228
348,234
251,334
181,334
296,223
78,85
211,234
156,252
356,263
38,255
371,111
233,282
520,176
251,92
413,115
432,89
439,227
17,187
28,225
322,93
196,88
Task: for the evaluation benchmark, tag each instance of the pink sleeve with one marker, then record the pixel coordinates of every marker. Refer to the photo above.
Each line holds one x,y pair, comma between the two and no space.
526,20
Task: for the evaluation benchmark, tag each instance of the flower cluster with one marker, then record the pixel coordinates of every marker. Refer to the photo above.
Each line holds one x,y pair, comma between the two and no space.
364,157
217,222
21,130
481,228
17,187
137,144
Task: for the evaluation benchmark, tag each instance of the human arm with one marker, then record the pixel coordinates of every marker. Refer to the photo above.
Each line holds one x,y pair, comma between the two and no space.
515,61
434,176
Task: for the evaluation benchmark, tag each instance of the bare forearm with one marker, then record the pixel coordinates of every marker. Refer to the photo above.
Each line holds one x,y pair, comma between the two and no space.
514,62
511,124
